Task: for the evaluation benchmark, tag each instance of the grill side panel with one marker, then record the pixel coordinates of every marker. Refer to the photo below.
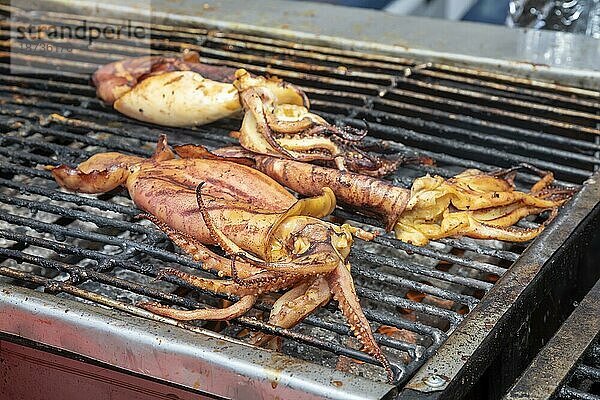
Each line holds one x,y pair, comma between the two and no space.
206,364
562,360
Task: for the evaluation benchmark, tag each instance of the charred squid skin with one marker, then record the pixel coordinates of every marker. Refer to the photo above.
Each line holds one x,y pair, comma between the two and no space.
222,286
262,282
361,192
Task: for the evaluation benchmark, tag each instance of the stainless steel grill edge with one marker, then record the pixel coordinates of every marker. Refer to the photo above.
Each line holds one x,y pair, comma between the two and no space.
568,367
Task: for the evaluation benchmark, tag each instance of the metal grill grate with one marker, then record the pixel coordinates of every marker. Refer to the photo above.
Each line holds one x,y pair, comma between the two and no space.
584,384
568,368
90,248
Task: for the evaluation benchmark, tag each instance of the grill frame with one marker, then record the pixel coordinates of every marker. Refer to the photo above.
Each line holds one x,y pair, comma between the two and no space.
201,363
584,204
549,374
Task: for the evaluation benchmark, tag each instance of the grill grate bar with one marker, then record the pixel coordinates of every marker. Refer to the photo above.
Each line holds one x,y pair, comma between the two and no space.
106,262
27,70
461,132
80,274
429,252
569,393
418,269
409,136
502,88
480,249
503,113
546,164
451,316
222,139
522,132
417,286
595,351
225,57
394,69
584,382
74,214
62,231
62,196
86,273
587,371
167,256
193,34
388,92
57,286
138,132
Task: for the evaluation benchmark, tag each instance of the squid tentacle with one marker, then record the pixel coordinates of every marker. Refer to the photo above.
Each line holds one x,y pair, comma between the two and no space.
252,100
265,284
269,278
294,305
342,288
323,264
239,308
199,252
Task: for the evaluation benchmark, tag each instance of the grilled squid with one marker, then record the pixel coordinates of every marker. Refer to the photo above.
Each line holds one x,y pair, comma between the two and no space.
291,131
180,91
473,203
272,240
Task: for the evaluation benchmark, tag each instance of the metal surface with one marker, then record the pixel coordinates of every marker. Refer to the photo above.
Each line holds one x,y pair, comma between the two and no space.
90,248
173,354
562,57
513,298
37,371
556,371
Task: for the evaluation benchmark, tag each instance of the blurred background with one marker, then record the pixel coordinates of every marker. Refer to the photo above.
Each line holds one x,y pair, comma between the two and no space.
576,16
